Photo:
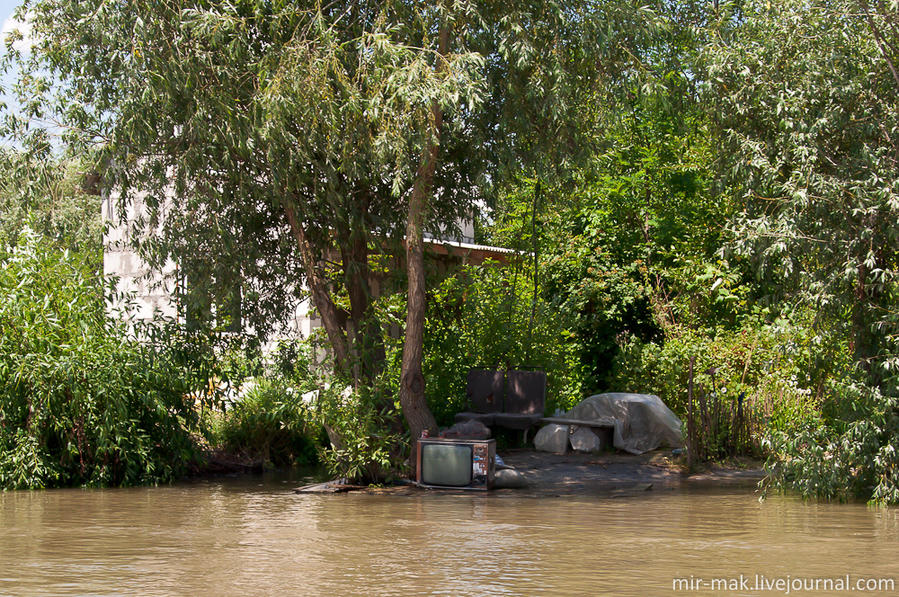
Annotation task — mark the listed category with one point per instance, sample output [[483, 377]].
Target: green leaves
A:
[[363, 99], [365, 445], [269, 423], [485, 318], [81, 402], [849, 456], [805, 101]]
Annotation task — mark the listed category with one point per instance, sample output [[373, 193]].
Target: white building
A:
[[154, 291]]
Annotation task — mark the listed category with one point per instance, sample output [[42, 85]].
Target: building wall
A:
[[152, 291]]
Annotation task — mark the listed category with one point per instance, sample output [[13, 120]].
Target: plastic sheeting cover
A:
[[642, 421]]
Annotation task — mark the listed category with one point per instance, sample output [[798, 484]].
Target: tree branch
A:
[[321, 298]]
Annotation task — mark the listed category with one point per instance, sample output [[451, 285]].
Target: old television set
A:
[[456, 463]]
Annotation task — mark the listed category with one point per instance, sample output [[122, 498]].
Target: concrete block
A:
[[552, 438], [583, 439]]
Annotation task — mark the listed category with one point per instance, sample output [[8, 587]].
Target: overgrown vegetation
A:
[[486, 317], [268, 424], [742, 214], [81, 401], [360, 436], [57, 199], [713, 182], [366, 443]]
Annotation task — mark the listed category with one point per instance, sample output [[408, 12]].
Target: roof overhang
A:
[[468, 252]]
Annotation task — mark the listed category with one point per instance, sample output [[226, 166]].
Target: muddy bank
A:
[[603, 474], [613, 472]]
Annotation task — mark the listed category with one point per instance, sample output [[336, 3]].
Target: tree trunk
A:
[[320, 296], [412, 381], [864, 341], [366, 345]]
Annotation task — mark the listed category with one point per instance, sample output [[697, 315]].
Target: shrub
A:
[[851, 451], [770, 363], [270, 424], [760, 369], [365, 439], [368, 439], [81, 401]]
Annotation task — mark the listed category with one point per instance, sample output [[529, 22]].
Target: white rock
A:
[[552, 438], [509, 479], [584, 440]]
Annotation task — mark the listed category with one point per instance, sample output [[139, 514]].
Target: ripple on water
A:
[[236, 537]]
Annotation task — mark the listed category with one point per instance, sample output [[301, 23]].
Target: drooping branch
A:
[[878, 39]]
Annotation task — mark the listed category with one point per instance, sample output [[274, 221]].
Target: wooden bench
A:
[[515, 400]]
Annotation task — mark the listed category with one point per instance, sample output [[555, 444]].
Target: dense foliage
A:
[[81, 402], [366, 444], [805, 99], [692, 181], [484, 318], [54, 198], [743, 213], [850, 453], [268, 424], [274, 145], [357, 431]]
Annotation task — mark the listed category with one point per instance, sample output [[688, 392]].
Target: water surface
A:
[[253, 536]]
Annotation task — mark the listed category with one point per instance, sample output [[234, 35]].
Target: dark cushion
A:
[[525, 393], [485, 390], [485, 418], [513, 421]]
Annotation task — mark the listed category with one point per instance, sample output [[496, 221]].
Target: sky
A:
[[6, 9]]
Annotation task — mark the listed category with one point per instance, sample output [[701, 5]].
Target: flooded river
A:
[[253, 536]]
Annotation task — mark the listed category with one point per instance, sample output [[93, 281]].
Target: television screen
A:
[[446, 464]]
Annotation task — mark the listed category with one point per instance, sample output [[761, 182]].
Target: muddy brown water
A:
[[254, 536]]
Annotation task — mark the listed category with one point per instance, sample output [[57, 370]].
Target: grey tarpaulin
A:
[[642, 421]]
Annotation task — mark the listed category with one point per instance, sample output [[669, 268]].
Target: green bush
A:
[[268, 423], [768, 371], [81, 401], [368, 439], [769, 363], [850, 452], [484, 317], [360, 433]]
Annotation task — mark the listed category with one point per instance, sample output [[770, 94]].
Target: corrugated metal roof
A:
[[469, 246]]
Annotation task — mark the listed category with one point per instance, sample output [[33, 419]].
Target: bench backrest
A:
[[525, 392], [485, 390]]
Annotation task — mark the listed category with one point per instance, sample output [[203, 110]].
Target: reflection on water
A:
[[249, 536]]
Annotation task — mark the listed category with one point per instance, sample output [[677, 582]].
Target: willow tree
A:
[[805, 94], [275, 143]]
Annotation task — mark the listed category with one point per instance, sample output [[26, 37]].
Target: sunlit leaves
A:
[[806, 102], [81, 402], [212, 116]]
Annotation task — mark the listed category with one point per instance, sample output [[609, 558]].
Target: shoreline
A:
[[605, 474]]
